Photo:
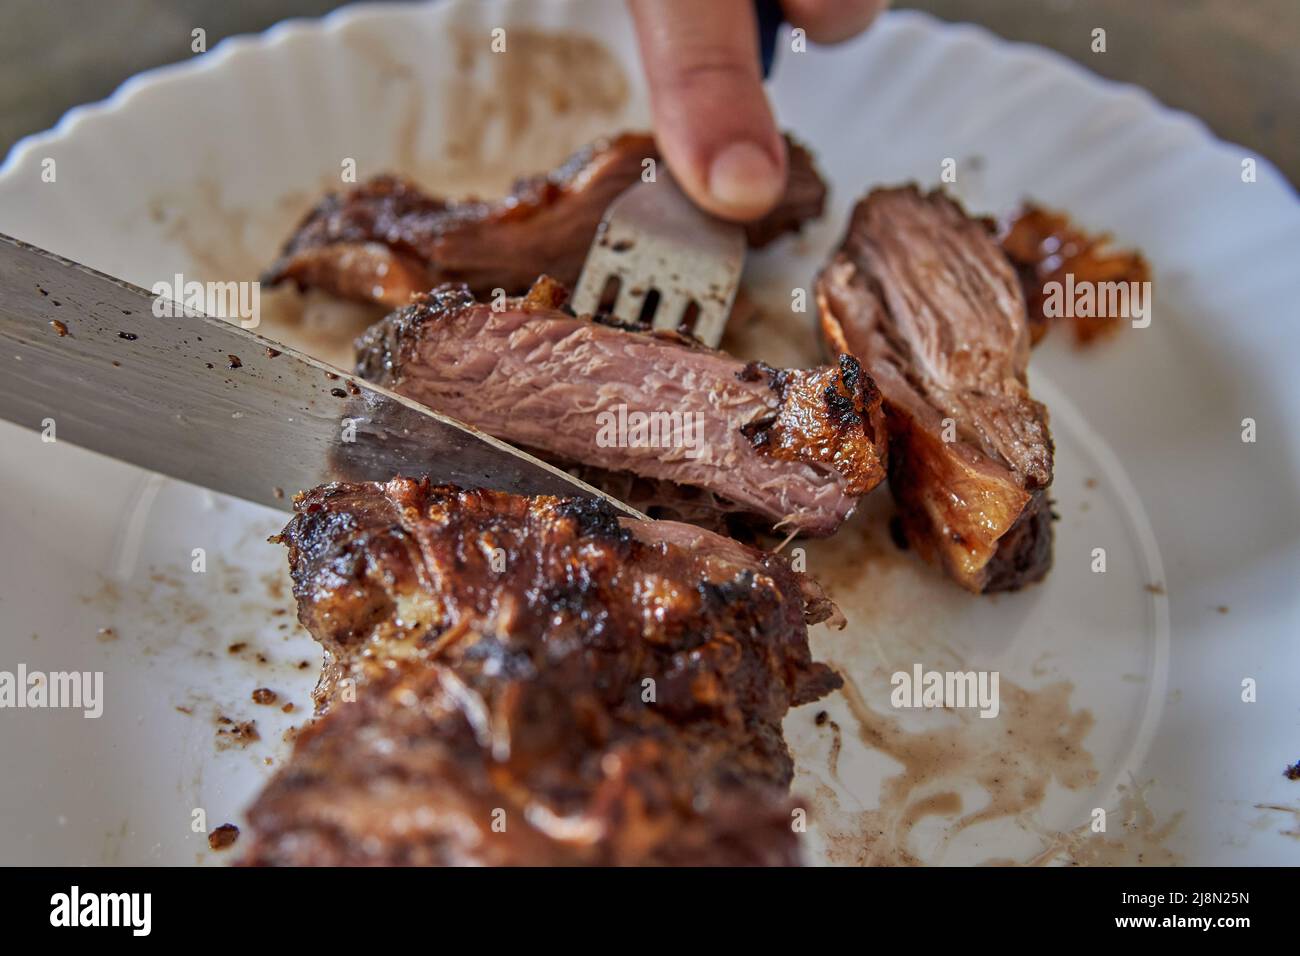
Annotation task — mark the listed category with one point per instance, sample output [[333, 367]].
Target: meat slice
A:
[[516, 680], [1046, 247], [794, 447], [923, 296], [386, 239]]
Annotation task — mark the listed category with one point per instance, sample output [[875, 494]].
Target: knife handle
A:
[[770, 17]]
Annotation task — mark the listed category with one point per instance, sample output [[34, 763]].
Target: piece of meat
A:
[[923, 296], [794, 447], [516, 680], [386, 239], [659, 498], [1045, 247]]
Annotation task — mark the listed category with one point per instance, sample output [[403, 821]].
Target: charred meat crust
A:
[[794, 447], [922, 295], [500, 648], [356, 549], [386, 239], [384, 350], [1024, 554], [823, 417]]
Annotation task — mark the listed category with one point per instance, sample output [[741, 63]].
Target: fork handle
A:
[[770, 17]]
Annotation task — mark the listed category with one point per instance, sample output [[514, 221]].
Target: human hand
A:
[[711, 117]]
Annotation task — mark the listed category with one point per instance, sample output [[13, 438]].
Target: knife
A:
[[88, 359]]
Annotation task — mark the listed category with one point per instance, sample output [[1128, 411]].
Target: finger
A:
[[832, 21], [712, 119]]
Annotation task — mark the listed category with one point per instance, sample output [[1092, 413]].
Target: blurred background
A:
[[1233, 63]]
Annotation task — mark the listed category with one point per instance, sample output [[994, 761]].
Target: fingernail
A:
[[743, 176]]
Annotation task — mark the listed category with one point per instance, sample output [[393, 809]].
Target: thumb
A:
[[711, 116]]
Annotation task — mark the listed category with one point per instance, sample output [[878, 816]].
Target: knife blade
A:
[[87, 359]]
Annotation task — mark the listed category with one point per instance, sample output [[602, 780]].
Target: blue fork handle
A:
[[769, 16]]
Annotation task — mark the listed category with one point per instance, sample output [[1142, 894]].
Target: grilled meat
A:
[[923, 296], [387, 239], [516, 680], [663, 499], [1045, 247], [794, 447]]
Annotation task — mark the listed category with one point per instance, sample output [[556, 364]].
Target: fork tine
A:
[[711, 323], [672, 306], [596, 274]]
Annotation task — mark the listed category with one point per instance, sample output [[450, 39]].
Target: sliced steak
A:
[[923, 296], [516, 680], [386, 239], [794, 447]]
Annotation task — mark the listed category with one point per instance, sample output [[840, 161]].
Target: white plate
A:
[[1120, 691]]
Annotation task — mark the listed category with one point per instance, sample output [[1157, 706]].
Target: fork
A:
[[658, 260]]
